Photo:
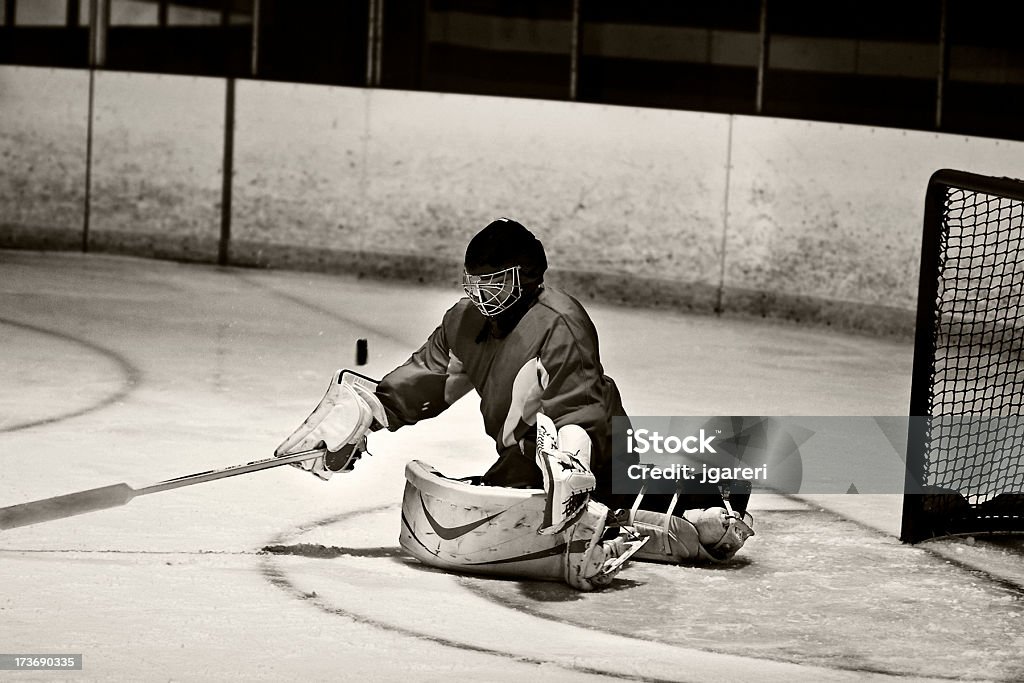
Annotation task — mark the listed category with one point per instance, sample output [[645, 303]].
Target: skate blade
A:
[[615, 565], [742, 527]]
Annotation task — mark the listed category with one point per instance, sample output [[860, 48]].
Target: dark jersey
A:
[[548, 362]]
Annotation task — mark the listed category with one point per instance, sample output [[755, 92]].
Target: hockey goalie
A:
[[545, 507]]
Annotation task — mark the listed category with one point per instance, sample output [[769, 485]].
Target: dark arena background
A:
[[209, 206]]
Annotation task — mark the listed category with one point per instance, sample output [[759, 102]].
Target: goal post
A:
[[965, 452]]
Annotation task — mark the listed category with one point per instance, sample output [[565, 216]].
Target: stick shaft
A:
[[232, 471], [105, 497]]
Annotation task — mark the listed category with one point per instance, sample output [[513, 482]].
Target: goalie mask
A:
[[504, 264], [493, 293]]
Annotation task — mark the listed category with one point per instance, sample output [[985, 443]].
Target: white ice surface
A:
[[117, 369]]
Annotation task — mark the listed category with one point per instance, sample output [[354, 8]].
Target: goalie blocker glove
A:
[[338, 425]]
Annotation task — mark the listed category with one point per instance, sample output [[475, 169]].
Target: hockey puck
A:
[[361, 352]]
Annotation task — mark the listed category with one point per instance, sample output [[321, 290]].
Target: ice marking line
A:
[[283, 537], [324, 552], [277, 578], [482, 592], [1003, 582], [474, 586], [131, 377], [324, 311], [109, 551]]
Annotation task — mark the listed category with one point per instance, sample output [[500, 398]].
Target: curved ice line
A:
[[277, 578], [131, 377]]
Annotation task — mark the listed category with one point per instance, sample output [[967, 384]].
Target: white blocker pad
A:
[[568, 481]]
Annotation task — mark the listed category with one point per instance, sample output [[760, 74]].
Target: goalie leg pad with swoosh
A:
[[457, 526]]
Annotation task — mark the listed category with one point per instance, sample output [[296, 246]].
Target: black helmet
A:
[[503, 244], [503, 261]]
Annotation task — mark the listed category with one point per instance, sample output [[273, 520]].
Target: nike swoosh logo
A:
[[451, 533], [574, 547]]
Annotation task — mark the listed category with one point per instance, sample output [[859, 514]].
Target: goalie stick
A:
[[115, 495]]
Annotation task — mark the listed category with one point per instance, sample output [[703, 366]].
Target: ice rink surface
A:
[[125, 370]]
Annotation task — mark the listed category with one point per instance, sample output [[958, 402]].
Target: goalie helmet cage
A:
[[965, 453]]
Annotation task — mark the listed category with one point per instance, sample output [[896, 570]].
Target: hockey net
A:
[[965, 457]]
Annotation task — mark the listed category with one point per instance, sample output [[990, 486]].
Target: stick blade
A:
[[68, 505]]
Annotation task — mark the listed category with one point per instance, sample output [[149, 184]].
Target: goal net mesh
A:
[[971, 457]]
